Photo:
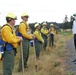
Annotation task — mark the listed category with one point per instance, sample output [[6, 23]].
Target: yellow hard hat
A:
[[24, 14], [44, 23], [36, 25], [11, 15], [51, 24]]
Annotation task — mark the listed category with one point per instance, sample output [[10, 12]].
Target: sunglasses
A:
[[26, 16]]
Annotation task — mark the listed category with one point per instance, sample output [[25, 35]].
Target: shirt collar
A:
[[10, 25]]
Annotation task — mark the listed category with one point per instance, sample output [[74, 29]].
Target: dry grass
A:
[[51, 62]]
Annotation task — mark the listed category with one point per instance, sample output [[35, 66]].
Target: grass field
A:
[[51, 62]]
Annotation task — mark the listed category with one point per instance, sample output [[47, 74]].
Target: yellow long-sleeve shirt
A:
[[8, 35], [44, 31], [37, 34], [52, 31], [23, 29]]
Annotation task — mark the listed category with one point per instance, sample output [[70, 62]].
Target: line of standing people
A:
[[12, 39]]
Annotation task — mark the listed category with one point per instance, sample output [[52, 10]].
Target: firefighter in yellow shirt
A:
[[38, 40], [52, 32], [24, 32], [9, 36], [44, 32]]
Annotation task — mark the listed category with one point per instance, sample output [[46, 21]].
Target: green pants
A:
[[38, 47], [45, 42], [51, 40], [8, 62], [25, 45]]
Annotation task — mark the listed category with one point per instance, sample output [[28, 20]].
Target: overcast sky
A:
[[38, 10]]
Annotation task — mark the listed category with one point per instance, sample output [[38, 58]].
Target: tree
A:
[[71, 21], [65, 23]]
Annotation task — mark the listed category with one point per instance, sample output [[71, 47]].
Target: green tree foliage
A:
[[71, 21], [65, 23]]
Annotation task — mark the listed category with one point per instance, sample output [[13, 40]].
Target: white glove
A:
[[42, 41], [20, 38], [29, 32], [48, 35], [52, 32]]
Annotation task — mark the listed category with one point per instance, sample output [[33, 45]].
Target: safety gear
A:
[[23, 28], [44, 23], [12, 35], [24, 15], [42, 41], [44, 31], [11, 16], [38, 35], [52, 31], [36, 25], [51, 24]]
